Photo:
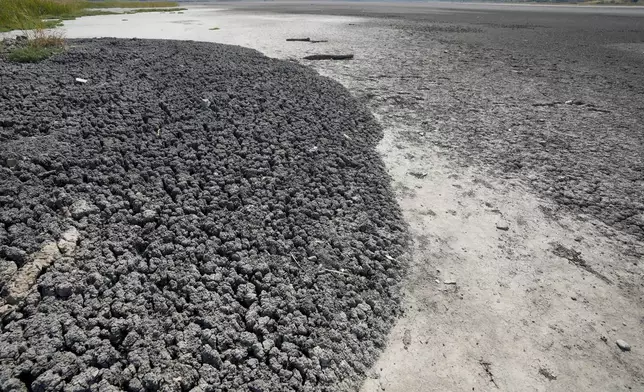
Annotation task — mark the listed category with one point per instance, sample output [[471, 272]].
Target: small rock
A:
[[547, 373], [569, 102], [81, 80], [70, 235], [81, 208], [323, 356], [68, 240], [268, 344], [418, 174], [211, 357], [64, 289], [257, 350], [66, 247], [148, 215], [450, 282], [11, 162], [623, 345], [502, 225], [206, 102]]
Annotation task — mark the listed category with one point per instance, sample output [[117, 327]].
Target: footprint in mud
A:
[[469, 193], [406, 339], [427, 212], [403, 190]]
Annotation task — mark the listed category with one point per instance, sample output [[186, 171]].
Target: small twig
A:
[[295, 260], [592, 109], [487, 366], [547, 103], [329, 57], [47, 173], [335, 271]]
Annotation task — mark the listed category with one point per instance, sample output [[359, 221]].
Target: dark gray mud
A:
[[236, 227]]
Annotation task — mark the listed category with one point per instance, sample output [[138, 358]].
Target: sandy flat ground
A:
[[510, 288]]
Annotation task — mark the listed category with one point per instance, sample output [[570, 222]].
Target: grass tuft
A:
[[46, 39], [31, 54], [34, 14], [40, 45]]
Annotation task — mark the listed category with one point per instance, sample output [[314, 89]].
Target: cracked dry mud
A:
[[566, 121], [236, 228]]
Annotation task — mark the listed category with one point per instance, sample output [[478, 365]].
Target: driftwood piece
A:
[[329, 57]]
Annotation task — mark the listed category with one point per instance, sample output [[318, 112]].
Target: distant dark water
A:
[[382, 1], [342, 1]]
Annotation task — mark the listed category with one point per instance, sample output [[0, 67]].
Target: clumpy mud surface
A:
[[234, 226]]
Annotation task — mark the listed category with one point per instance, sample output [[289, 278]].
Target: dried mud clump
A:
[[235, 226]]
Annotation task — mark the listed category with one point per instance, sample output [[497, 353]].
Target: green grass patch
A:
[[31, 54], [39, 45], [34, 14], [29, 14]]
